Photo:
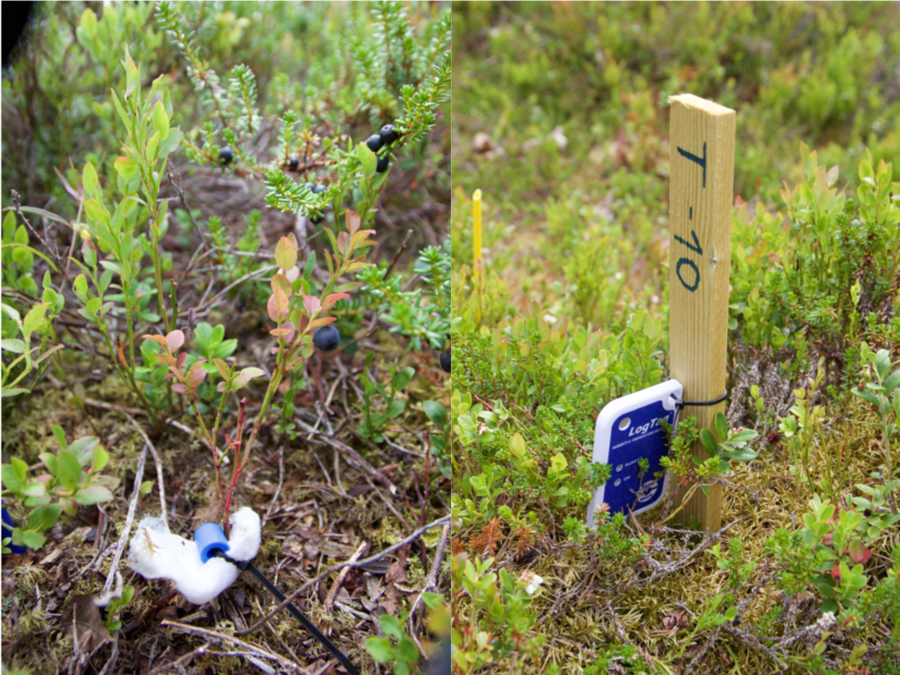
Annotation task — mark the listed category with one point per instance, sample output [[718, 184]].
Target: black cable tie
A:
[[292, 610], [684, 404]]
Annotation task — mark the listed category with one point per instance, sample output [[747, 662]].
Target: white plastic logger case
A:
[[629, 429]]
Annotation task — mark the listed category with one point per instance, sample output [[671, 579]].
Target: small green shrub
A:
[[73, 478]]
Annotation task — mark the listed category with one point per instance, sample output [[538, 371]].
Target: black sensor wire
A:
[[292, 610]]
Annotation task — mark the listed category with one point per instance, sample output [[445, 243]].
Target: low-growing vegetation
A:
[[226, 283], [561, 122]]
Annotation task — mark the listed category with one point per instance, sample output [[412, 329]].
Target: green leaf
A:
[[89, 23], [368, 159], [401, 378], [84, 449], [883, 363], [396, 408], [30, 538], [160, 119], [721, 426], [391, 626], [93, 494], [90, 181], [21, 468], [433, 600], [709, 442], [285, 254], [436, 413], [744, 436], [407, 651], [10, 478], [49, 460], [43, 517], [170, 143], [380, 648], [14, 346], [34, 318], [153, 147], [310, 266], [100, 459], [11, 312], [69, 469], [891, 382], [60, 436], [131, 73], [739, 455]]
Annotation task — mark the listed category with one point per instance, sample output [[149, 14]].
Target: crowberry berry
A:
[[374, 142], [445, 361], [226, 154], [383, 163], [389, 134]]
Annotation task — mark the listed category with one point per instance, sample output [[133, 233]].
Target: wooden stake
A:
[[701, 193], [476, 238]]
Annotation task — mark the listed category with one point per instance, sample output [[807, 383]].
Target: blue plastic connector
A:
[[7, 532], [210, 537]]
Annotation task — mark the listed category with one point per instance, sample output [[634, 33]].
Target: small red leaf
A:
[[312, 304], [179, 388], [156, 338], [334, 298], [175, 339]]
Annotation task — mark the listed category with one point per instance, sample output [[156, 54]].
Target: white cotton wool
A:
[[155, 553]]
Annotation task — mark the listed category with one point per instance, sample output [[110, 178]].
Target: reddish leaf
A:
[[836, 573], [156, 338], [312, 304], [280, 332], [179, 361], [223, 368], [352, 221], [281, 300], [175, 339], [179, 388], [165, 358], [197, 376], [344, 243], [333, 299], [324, 321], [121, 349], [858, 551]]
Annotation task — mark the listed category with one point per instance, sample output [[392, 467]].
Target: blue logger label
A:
[[637, 435], [630, 429]]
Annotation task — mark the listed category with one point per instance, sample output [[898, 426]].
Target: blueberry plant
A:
[[299, 316]]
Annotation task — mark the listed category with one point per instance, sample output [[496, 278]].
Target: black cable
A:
[[296, 613], [683, 404]]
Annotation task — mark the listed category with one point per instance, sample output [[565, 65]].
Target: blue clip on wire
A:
[[211, 543]]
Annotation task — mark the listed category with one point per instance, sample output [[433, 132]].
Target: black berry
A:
[[319, 189], [327, 338], [389, 134], [375, 142], [226, 155], [294, 162], [383, 164], [445, 361], [316, 220], [310, 186]]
